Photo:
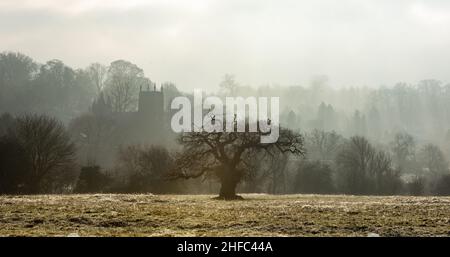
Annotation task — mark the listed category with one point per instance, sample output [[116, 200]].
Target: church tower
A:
[[151, 114], [151, 103]]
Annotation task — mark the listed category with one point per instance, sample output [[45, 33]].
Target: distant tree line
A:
[[58, 90], [58, 135], [355, 166], [38, 155]]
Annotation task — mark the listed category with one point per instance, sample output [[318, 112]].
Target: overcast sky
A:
[[194, 43]]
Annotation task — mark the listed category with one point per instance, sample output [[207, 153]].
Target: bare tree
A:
[[353, 163], [313, 177], [225, 154], [266, 172], [122, 85], [433, 159], [275, 169], [47, 146], [323, 145], [146, 167], [363, 169], [97, 73], [403, 149]]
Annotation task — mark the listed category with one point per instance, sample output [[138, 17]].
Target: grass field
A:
[[199, 215]]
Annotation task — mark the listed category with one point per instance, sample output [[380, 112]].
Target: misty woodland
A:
[[106, 128]]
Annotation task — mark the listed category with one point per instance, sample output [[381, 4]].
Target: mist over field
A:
[[87, 116]]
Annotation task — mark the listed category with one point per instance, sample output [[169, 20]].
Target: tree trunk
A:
[[227, 189], [229, 180]]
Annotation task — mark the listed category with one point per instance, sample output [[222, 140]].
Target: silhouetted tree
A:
[[92, 180], [323, 145], [314, 177], [224, 154], [146, 168], [364, 170], [416, 186], [403, 149], [432, 159], [46, 144], [266, 172], [122, 85], [14, 166]]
